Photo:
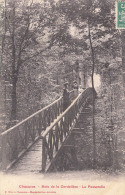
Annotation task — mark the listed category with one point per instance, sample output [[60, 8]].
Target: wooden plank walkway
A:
[[30, 162]]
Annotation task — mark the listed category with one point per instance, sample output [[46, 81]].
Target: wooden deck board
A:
[[31, 161]]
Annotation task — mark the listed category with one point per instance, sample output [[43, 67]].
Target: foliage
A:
[[43, 42]]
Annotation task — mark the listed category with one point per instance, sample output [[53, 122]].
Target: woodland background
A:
[[44, 44]]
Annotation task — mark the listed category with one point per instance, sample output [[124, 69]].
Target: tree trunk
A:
[[92, 55], [13, 115], [93, 96], [14, 74]]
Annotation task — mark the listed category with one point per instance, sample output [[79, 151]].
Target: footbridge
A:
[[41, 136]]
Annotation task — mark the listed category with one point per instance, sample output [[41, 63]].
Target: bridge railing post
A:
[[43, 154], [55, 135], [15, 141]]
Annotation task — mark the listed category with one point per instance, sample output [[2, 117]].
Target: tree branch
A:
[[23, 38], [9, 27], [92, 53], [36, 54]]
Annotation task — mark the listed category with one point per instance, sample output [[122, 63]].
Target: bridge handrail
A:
[[31, 116], [57, 132], [16, 140], [58, 119], [39, 111]]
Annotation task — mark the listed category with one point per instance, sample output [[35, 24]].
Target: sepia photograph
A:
[[62, 97]]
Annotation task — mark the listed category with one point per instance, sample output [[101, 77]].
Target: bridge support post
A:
[[43, 155]]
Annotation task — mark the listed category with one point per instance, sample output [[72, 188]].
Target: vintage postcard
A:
[[62, 97]]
